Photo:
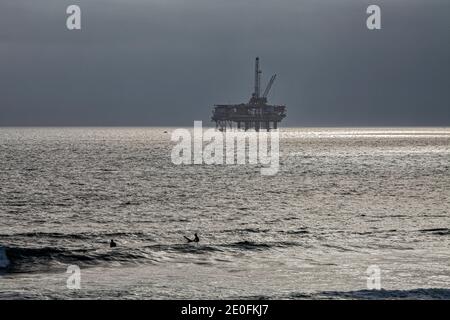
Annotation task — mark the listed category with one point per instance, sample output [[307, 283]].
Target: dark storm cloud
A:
[[165, 62]]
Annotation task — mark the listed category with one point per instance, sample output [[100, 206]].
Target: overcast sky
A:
[[166, 62]]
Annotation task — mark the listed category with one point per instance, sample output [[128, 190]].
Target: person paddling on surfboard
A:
[[196, 239]]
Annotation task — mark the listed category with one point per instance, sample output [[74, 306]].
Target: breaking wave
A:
[[23, 259], [419, 293], [4, 261], [42, 259]]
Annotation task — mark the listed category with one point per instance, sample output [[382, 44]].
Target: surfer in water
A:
[[196, 239], [112, 244]]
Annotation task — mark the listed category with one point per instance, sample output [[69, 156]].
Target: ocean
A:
[[345, 202]]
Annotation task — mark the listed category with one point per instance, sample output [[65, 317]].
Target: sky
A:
[[167, 62]]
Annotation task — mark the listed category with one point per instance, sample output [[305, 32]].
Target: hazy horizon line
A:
[[213, 126]]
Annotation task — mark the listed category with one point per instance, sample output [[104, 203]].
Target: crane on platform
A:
[[258, 72], [257, 98], [269, 86]]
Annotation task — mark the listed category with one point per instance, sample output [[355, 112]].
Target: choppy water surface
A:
[[344, 199]]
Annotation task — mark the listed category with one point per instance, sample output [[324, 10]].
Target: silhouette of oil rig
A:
[[256, 114]]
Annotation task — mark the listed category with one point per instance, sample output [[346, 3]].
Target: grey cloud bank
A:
[[166, 62]]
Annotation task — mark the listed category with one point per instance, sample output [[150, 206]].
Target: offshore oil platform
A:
[[256, 114]]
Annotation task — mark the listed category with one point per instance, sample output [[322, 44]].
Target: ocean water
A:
[[343, 200]]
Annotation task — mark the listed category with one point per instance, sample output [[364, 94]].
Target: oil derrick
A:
[[256, 114]]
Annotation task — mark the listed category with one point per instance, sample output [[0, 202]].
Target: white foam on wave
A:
[[4, 261]]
